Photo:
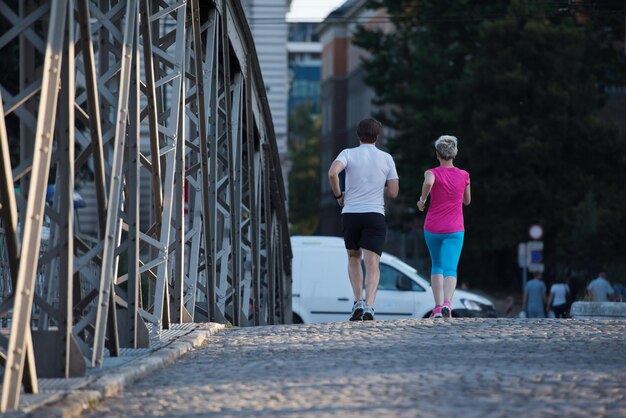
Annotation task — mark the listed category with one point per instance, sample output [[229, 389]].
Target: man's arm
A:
[[611, 293], [333, 178], [392, 188]]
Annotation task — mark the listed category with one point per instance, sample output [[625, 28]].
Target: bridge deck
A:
[[461, 367]]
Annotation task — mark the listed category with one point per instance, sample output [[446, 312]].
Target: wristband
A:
[[338, 197]]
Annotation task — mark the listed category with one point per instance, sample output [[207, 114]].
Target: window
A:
[[389, 277]]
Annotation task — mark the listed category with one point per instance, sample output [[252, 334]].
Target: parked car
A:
[[321, 290]]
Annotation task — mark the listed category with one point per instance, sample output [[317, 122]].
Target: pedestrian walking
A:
[[444, 229], [370, 176], [559, 295], [600, 289], [535, 301]]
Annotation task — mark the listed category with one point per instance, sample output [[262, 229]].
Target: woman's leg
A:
[[436, 281], [450, 254], [449, 286], [433, 242]]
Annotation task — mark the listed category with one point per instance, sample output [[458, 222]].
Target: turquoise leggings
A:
[[445, 251]]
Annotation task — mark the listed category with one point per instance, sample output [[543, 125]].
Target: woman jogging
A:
[[444, 230]]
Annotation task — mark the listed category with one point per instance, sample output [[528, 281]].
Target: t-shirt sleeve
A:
[[343, 157], [467, 180], [609, 289], [392, 174]]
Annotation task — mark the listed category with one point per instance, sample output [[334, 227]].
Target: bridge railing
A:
[[125, 96]]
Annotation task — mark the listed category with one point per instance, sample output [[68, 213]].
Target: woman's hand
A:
[[420, 205]]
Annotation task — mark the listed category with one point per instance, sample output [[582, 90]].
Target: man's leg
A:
[[355, 272], [372, 275]]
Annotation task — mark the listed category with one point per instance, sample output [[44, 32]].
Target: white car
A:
[[321, 290]]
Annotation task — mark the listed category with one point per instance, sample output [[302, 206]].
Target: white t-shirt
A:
[[560, 291], [600, 288], [367, 171]]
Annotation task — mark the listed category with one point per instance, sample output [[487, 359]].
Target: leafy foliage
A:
[[304, 176], [520, 84]]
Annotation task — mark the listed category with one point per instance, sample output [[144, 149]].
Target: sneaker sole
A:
[[357, 315], [368, 317], [445, 312], [435, 316]]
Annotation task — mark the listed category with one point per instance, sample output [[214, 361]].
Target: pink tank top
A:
[[445, 213]]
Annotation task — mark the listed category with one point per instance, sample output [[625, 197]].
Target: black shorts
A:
[[364, 230]]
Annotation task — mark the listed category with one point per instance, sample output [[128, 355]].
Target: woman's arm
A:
[[429, 180], [467, 196]]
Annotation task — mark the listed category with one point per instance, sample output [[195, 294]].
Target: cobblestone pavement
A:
[[442, 368]]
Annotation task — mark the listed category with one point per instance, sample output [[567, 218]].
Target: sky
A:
[[312, 10]]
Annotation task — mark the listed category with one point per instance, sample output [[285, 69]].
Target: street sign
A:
[[522, 258], [535, 231], [534, 256]]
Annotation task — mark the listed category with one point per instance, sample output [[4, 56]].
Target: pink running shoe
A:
[[436, 313], [446, 310]]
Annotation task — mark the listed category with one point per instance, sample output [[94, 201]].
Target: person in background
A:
[[574, 289], [535, 302], [559, 295], [600, 290], [620, 292], [444, 229]]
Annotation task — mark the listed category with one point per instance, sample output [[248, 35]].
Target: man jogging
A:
[[370, 176]]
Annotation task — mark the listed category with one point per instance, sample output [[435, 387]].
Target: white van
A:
[[321, 290]]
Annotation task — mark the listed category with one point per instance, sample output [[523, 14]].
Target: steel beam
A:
[[33, 219], [173, 100], [111, 238]]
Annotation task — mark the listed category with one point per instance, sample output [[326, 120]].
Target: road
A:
[[427, 368]]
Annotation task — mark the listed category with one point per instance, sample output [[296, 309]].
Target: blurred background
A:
[[534, 90]]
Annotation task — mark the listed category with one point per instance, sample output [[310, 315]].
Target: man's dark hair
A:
[[368, 130]]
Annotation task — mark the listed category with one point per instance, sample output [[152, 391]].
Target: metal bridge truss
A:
[[125, 90]]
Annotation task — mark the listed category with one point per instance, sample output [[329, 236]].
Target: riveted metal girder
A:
[[155, 112]]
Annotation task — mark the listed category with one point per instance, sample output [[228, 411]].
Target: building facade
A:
[[267, 20], [305, 62], [346, 99]]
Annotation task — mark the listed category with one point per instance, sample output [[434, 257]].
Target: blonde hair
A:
[[446, 147]]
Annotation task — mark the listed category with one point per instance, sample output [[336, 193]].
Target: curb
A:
[[74, 403]]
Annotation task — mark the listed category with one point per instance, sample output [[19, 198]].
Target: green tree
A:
[[520, 83], [304, 176], [416, 72]]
